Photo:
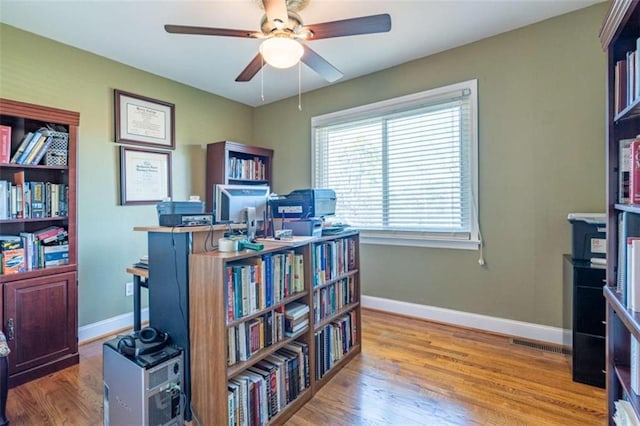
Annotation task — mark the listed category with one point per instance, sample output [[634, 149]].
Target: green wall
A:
[[541, 91], [37, 70], [541, 156]]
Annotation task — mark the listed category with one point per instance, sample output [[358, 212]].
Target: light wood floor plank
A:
[[410, 372]]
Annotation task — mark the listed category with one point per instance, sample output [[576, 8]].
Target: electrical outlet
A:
[[128, 289]]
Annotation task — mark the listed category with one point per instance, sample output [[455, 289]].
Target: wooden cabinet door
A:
[[40, 320]]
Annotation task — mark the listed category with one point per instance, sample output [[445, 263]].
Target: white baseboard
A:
[[507, 327], [109, 326]]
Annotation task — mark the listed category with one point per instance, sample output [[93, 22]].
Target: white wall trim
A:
[[109, 326], [504, 326]]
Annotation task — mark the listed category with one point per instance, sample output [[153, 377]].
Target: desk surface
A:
[[185, 229], [141, 272]]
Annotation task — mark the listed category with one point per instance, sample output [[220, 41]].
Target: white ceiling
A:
[[131, 32]]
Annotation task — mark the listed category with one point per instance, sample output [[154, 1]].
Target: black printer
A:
[[304, 204]]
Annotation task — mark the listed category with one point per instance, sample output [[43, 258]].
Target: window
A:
[[404, 170]]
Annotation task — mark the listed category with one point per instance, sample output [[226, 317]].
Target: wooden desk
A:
[[140, 279]]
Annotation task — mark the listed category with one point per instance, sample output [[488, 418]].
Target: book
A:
[[31, 156], [635, 365], [634, 173], [43, 150], [5, 144], [23, 194], [633, 268], [23, 144], [37, 199], [13, 261], [624, 165], [56, 255], [5, 205]]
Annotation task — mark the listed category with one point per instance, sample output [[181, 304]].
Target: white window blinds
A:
[[404, 168]]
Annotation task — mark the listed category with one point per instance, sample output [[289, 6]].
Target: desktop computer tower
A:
[[142, 389]]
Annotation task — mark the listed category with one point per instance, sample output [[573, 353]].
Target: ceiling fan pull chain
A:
[[299, 86], [262, 79]]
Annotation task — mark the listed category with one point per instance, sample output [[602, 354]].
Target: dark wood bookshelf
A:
[[218, 171], [619, 35], [41, 304]]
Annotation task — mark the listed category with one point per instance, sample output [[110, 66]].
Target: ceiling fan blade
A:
[[185, 29], [276, 11], [354, 26], [252, 69], [320, 65]]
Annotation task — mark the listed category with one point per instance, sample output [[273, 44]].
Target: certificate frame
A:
[[140, 120], [145, 176]]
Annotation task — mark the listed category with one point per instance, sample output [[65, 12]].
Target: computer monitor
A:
[[231, 202]]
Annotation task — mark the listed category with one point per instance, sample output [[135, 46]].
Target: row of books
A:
[[33, 250], [624, 414], [627, 79], [31, 149], [259, 393], [27, 200], [334, 341], [333, 259], [247, 169], [249, 337], [258, 283], [329, 300], [628, 273]]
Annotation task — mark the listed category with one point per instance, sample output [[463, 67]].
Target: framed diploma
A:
[[145, 176], [144, 121]]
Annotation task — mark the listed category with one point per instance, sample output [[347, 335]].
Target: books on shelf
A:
[[635, 365], [627, 79], [624, 166], [631, 294], [634, 173], [20, 199], [260, 392], [261, 282]]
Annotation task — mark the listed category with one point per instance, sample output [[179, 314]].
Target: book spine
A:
[[5, 144], [634, 173], [23, 144]]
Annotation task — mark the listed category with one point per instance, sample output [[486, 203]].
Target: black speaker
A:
[[151, 340]]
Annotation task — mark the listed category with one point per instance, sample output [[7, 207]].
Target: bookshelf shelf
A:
[[334, 280], [26, 293], [630, 319], [210, 330], [631, 208], [623, 373]]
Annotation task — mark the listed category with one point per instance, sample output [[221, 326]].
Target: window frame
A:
[[466, 241]]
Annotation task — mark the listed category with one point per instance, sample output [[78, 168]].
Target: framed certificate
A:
[[144, 121], [145, 176]]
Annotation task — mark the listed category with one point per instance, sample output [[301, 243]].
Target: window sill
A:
[[459, 244]]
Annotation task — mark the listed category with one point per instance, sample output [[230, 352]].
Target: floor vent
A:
[[540, 346]]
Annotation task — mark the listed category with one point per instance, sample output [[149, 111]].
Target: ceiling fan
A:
[[282, 30]]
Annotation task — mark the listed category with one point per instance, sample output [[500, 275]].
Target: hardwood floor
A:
[[410, 372]]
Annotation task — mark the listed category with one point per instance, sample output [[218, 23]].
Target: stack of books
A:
[[296, 318]]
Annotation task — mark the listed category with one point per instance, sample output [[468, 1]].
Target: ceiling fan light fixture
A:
[[281, 52]]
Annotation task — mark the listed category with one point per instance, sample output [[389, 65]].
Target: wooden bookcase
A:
[[221, 156], [211, 320], [39, 306], [619, 36]]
